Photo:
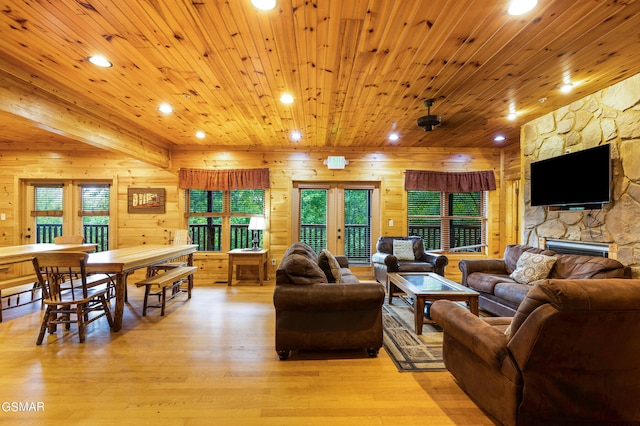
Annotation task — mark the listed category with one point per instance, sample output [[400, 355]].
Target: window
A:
[[47, 212], [219, 220], [70, 208], [448, 221], [94, 212]]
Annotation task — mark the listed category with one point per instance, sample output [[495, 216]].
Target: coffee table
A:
[[429, 286]]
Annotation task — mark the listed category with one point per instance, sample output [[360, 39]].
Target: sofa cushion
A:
[[347, 277], [403, 250], [407, 266], [330, 266], [573, 266], [513, 252], [532, 267], [299, 269], [485, 283], [303, 249], [511, 292]]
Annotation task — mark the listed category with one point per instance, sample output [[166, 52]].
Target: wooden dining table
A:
[[25, 252], [121, 262]]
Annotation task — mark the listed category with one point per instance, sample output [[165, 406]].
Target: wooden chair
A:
[[69, 239], [64, 276]]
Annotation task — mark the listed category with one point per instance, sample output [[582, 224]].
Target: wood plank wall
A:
[[385, 167]]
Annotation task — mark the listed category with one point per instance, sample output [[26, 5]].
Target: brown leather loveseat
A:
[[570, 355], [501, 294], [321, 305], [386, 259]]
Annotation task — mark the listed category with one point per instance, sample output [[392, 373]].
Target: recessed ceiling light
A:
[[566, 88], [286, 98], [295, 136], [100, 61], [520, 7], [264, 4], [512, 116], [393, 136], [200, 134], [165, 108], [499, 138]]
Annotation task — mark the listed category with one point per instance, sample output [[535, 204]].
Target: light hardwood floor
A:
[[210, 360]]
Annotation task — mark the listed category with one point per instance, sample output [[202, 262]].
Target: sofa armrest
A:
[[487, 342], [328, 297], [387, 259], [343, 261], [489, 266], [439, 261]]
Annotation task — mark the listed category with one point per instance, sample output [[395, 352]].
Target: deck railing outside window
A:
[[93, 234], [462, 235], [209, 237]]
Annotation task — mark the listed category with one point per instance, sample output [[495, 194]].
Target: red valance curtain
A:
[[223, 180], [424, 180]]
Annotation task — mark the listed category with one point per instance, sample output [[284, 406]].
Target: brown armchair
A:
[[385, 261], [570, 355]]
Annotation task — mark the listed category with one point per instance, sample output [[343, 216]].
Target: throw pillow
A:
[[329, 264], [403, 250], [532, 267]]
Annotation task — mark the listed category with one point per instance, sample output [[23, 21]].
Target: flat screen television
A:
[[579, 180]]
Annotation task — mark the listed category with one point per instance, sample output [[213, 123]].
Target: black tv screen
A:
[[581, 179]]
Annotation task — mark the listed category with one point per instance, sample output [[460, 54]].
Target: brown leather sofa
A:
[[571, 356], [384, 261], [501, 295], [315, 314]]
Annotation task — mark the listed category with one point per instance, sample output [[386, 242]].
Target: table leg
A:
[[473, 306], [230, 277], [418, 313], [261, 270], [121, 292]]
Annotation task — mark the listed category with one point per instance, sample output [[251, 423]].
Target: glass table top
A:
[[428, 283]]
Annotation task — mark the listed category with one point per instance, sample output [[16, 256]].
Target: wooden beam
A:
[[52, 112]]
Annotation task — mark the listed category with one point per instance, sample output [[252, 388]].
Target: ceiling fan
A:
[[429, 122]]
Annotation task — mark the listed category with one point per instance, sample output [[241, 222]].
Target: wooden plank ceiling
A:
[[358, 70]]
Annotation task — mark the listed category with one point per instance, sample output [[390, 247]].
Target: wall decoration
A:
[[145, 200]]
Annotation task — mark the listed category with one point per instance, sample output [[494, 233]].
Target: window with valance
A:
[[220, 204], [449, 209]]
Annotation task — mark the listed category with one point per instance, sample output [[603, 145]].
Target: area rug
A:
[[409, 351]]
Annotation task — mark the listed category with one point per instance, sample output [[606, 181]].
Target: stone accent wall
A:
[[611, 116]]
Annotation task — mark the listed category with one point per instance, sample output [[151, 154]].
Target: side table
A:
[[257, 258]]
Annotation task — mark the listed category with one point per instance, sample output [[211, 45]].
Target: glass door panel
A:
[[336, 216], [313, 218]]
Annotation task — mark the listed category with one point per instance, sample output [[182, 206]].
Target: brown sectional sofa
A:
[[501, 295], [314, 314], [570, 358]]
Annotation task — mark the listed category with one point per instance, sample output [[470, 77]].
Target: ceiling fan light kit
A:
[[429, 122]]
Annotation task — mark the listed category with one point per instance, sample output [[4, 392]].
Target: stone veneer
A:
[[610, 116]]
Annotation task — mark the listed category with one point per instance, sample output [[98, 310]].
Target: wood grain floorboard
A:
[[209, 360]]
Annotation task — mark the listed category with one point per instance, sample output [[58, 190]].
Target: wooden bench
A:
[[15, 282], [169, 279]]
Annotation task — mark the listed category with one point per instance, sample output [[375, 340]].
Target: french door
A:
[[341, 217], [66, 207]]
